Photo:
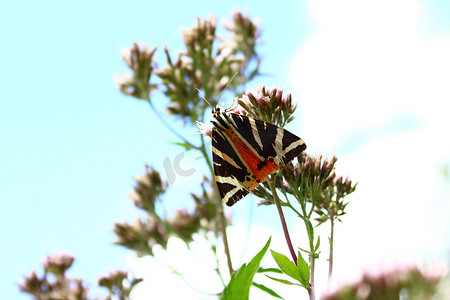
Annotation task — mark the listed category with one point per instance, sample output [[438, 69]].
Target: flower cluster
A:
[[208, 63], [245, 34], [397, 283], [118, 284], [312, 180], [142, 235], [148, 190], [330, 204], [140, 60], [267, 104], [310, 177], [57, 285]]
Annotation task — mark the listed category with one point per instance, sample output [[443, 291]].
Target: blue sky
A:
[[71, 143]]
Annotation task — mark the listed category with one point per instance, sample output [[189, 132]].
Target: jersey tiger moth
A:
[[246, 151]]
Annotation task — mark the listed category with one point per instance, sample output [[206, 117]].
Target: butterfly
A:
[[246, 151]]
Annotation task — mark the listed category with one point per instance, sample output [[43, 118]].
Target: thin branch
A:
[[330, 259], [283, 221], [158, 115], [223, 229]]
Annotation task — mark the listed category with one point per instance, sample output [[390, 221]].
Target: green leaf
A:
[[267, 290], [318, 244], [241, 280], [274, 270], [287, 282], [287, 266], [186, 146], [306, 251], [303, 271], [310, 230]]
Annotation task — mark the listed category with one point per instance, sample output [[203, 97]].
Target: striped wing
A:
[[246, 151], [229, 170]]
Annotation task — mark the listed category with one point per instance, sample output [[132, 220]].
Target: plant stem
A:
[[330, 259], [311, 291], [223, 229], [283, 221]]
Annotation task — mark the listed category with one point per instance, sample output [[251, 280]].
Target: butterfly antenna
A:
[[204, 98], [226, 87]]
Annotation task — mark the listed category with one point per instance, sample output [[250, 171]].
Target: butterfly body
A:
[[246, 151]]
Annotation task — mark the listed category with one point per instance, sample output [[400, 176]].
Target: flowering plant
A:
[[307, 187]]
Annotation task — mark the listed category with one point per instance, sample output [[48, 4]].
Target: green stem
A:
[[296, 211], [283, 221], [311, 291], [330, 259], [223, 229], [312, 253]]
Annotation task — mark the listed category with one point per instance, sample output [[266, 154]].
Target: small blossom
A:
[[245, 34], [200, 36], [267, 104], [140, 60], [148, 189], [58, 263], [263, 202], [330, 204], [58, 285], [142, 236], [33, 284], [311, 171], [204, 129], [115, 277], [118, 284]]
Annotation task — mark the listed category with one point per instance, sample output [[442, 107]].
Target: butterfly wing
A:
[[268, 140], [229, 171], [246, 151]]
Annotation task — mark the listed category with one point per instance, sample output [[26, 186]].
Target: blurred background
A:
[[371, 79]]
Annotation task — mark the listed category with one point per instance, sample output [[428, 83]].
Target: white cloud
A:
[[375, 92], [366, 64]]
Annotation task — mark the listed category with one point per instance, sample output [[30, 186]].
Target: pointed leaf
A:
[[241, 280], [267, 290], [318, 244], [186, 146], [286, 265], [306, 251], [287, 282], [303, 270], [310, 230], [274, 270]]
